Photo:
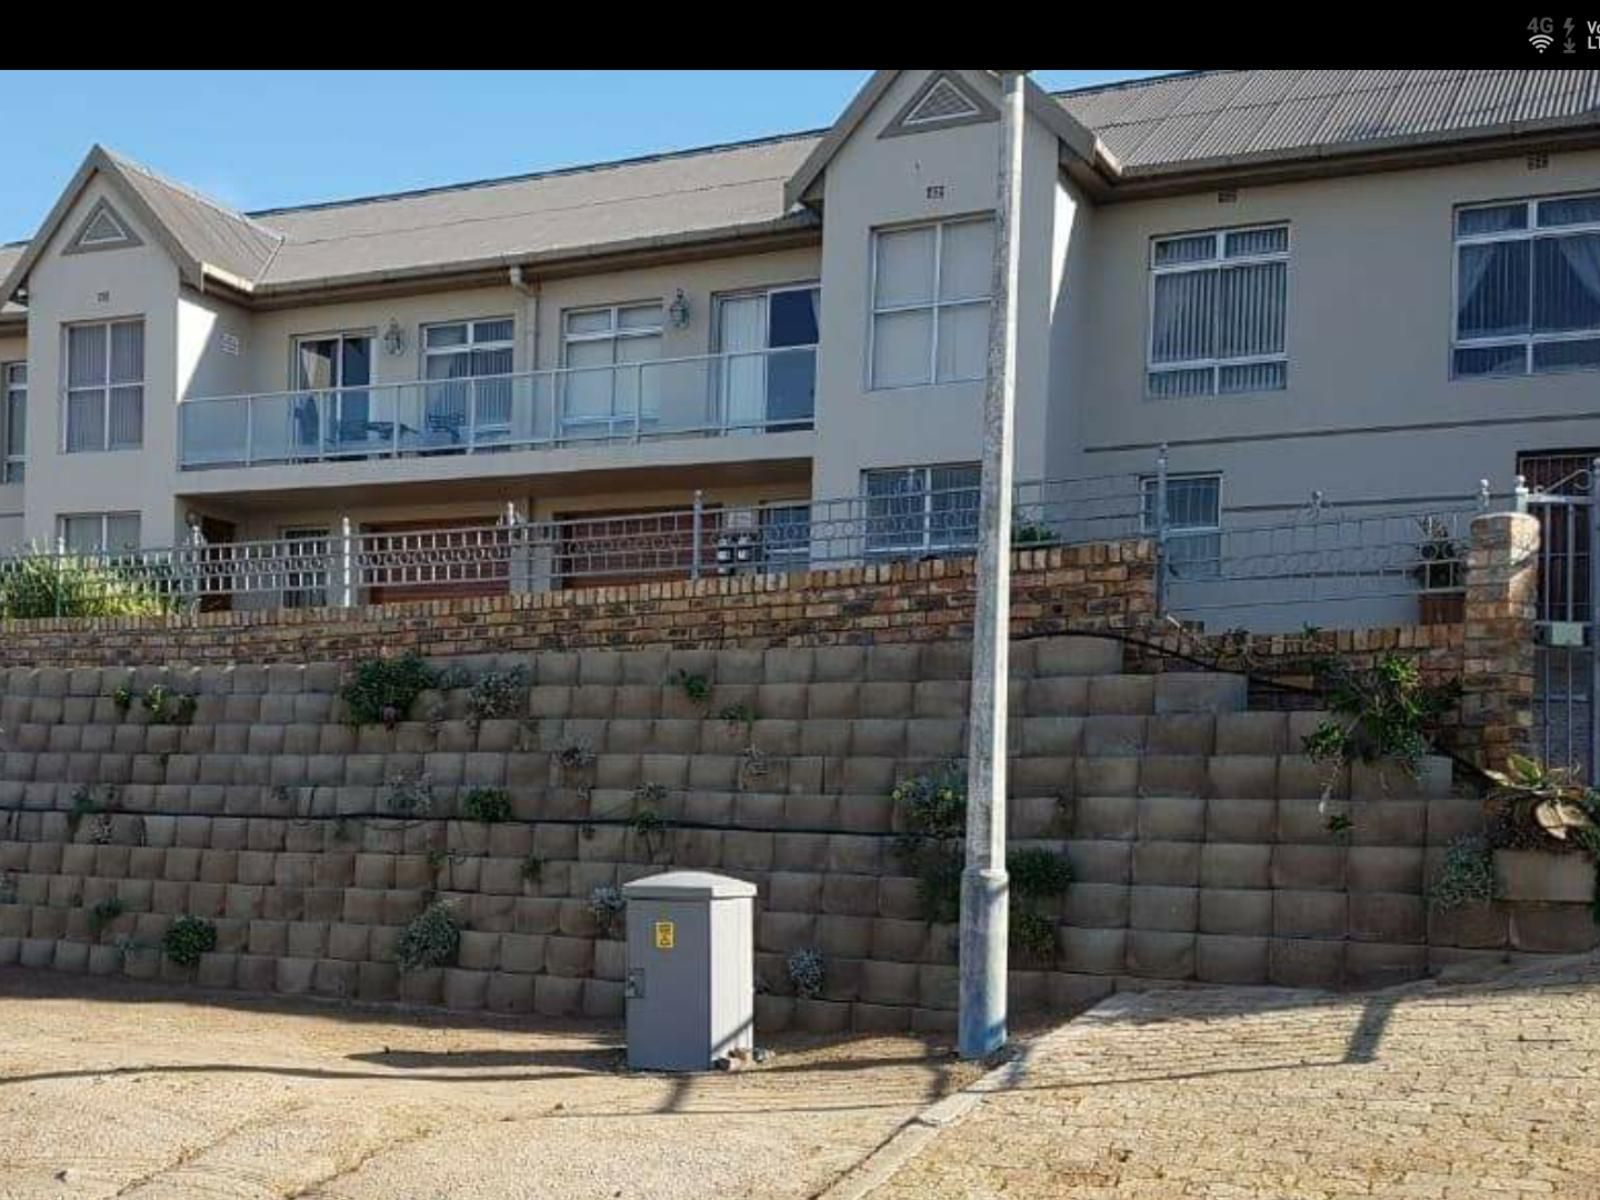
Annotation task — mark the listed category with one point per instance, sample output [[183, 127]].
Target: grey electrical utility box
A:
[[691, 970]]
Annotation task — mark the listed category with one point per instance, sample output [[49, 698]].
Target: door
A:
[[767, 342], [1566, 721], [216, 591], [334, 371]]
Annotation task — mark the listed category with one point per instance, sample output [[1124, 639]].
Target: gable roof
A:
[[693, 196], [1039, 104], [1174, 130], [1174, 124]]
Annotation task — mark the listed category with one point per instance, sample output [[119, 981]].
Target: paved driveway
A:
[[1459, 1092], [118, 1089]]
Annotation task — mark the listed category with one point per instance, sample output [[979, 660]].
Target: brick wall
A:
[[1103, 586]]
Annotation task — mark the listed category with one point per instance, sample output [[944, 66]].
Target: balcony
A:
[[715, 395]]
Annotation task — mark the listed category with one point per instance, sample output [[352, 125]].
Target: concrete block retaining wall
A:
[[1193, 826]]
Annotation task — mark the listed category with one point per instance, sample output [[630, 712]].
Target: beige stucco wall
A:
[[140, 281], [872, 182], [1370, 409]]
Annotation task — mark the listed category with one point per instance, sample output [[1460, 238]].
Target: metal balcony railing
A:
[[760, 391]]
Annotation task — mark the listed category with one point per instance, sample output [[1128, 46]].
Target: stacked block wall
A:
[[1193, 826]]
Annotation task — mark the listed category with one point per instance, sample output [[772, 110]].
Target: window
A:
[[921, 510], [1528, 287], [468, 366], [1217, 304], [786, 537], [1194, 523], [930, 303], [607, 386], [98, 533], [105, 386], [336, 372], [14, 383], [768, 370]]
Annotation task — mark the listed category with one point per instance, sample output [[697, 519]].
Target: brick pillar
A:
[[1497, 674]]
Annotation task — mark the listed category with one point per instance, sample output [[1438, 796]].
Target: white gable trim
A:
[[940, 88], [103, 229]]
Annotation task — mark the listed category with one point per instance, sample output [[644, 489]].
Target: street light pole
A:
[[984, 924]]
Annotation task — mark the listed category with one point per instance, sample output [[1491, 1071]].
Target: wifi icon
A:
[[1541, 42]]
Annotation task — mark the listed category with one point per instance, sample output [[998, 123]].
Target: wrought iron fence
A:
[[1325, 564]]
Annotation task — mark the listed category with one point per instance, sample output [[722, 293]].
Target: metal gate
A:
[[1566, 664]]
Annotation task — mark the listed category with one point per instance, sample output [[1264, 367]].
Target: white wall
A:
[[875, 181], [1370, 409], [140, 281]]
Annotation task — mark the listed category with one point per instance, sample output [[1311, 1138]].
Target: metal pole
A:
[[347, 596], [1161, 532], [984, 917], [699, 519]]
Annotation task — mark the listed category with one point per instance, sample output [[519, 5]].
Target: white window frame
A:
[[13, 468], [927, 545], [1217, 262], [467, 347], [105, 389], [616, 333], [1149, 485], [1530, 232], [934, 305], [105, 519]]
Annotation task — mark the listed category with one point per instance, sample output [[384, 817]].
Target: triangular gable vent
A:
[[941, 100], [102, 229]]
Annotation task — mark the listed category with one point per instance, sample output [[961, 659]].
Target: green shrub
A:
[[384, 689], [187, 939], [934, 805], [410, 793], [41, 584], [167, 707], [1033, 934], [104, 912], [487, 804], [1382, 713], [696, 687], [431, 939], [1038, 874]]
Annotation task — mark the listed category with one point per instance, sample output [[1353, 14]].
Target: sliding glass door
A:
[[768, 346]]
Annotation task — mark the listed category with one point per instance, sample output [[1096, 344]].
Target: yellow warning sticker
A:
[[666, 935]]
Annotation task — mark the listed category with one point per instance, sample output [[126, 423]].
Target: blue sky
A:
[[259, 139]]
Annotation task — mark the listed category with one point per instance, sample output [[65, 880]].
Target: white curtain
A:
[[742, 336]]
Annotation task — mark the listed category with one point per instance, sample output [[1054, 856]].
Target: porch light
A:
[[678, 310], [394, 338]]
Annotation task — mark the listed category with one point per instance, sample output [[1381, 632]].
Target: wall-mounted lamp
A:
[[678, 310], [394, 338]]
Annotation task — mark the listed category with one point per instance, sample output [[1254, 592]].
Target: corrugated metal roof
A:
[[1157, 125], [668, 197], [210, 232]]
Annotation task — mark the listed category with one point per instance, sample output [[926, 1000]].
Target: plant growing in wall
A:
[[606, 906], [808, 973], [1466, 876], [383, 690], [1384, 713], [187, 939], [410, 793], [122, 699], [87, 803], [487, 804], [576, 756], [1037, 876], [431, 939], [933, 814], [104, 912], [696, 687], [648, 823], [498, 696], [532, 869], [167, 707]]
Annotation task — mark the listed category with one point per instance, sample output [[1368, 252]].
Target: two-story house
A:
[[1384, 285]]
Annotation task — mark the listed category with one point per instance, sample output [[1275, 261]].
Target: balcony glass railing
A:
[[761, 391]]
